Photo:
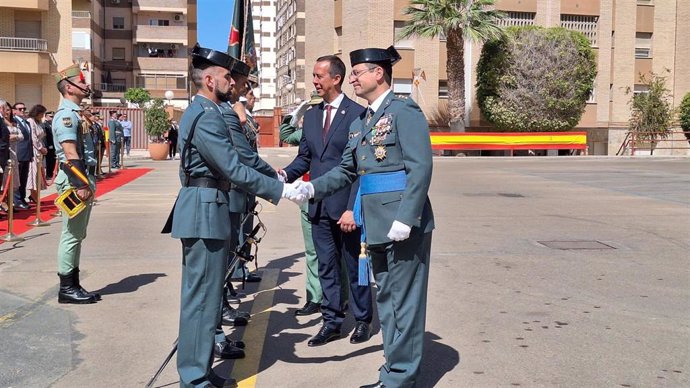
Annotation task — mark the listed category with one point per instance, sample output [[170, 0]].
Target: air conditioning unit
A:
[[179, 17]]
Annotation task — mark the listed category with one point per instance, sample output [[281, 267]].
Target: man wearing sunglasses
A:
[[25, 153]]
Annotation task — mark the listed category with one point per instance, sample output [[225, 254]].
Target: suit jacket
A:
[[317, 158], [247, 155], [406, 146], [4, 143], [204, 212], [25, 148]]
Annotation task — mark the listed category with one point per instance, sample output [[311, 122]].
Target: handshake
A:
[[298, 192]]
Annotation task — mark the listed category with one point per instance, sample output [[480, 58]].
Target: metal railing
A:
[[633, 142], [115, 88], [81, 14], [23, 44]]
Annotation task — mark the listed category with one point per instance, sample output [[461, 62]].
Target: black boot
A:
[[70, 293], [96, 295]]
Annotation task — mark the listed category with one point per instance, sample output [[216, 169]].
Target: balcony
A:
[[156, 83], [24, 55], [179, 6], [23, 44], [168, 64], [110, 88], [33, 5], [160, 34]]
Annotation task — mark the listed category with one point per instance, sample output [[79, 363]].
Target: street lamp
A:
[[169, 95]]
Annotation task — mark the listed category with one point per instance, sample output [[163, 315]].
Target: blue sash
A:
[[382, 182]]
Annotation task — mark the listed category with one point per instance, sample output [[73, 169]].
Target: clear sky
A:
[[213, 23]]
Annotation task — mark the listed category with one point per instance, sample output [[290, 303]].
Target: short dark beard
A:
[[223, 97]]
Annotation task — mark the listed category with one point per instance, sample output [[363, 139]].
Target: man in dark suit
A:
[[25, 153], [336, 238]]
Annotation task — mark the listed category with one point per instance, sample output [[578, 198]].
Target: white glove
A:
[[399, 231], [298, 113], [282, 176], [294, 193], [306, 188]]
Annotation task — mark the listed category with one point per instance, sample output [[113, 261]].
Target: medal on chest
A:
[[380, 153]]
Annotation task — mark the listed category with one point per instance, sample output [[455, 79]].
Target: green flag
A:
[[241, 40]]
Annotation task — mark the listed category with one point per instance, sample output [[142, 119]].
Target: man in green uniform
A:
[[116, 134], [390, 150], [69, 149], [209, 169], [291, 134]]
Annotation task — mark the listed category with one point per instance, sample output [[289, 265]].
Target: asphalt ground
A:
[[545, 272]]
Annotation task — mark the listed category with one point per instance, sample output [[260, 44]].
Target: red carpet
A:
[[48, 208]]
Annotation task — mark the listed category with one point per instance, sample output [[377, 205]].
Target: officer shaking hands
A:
[[209, 169], [390, 149]]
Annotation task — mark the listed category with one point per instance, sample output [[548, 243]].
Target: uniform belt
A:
[[209, 183]]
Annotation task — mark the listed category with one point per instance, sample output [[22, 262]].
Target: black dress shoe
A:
[[226, 351], [308, 309], [362, 333], [377, 384], [235, 343], [96, 295], [253, 278], [233, 317], [324, 336], [21, 206]]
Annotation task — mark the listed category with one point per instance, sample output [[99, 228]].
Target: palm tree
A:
[[457, 20]]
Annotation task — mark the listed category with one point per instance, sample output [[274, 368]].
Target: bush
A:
[[684, 115], [137, 95], [156, 121], [535, 79]]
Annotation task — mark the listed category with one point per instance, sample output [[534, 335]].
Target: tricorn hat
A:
[[375, 55], [240, 67], [69, 72], [204, 57]]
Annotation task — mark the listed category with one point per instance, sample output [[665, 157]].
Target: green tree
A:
[[651, 112], [535, 79], [137, 95], [457, 20], [684, 115], [156, 121]]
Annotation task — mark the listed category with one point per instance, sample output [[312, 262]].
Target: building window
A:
[[397, 29], [118, 53], [338, 40], [118, 23], [517, 19], [587, 25], [159, 22], [402, 87], [645, 2], [643, 45], [640, 88], [81, 40], [442, 88], [592, 98]]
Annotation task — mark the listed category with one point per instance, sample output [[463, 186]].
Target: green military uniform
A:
[[291, 135], [116, 134], [209, 168], [394, 139], [67, 127]]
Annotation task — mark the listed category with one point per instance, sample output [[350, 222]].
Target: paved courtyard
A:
[[545, 272]]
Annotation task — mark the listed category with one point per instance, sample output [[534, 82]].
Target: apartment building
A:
[[264, 22], [32, 49], [630, 37], [135, 43]]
